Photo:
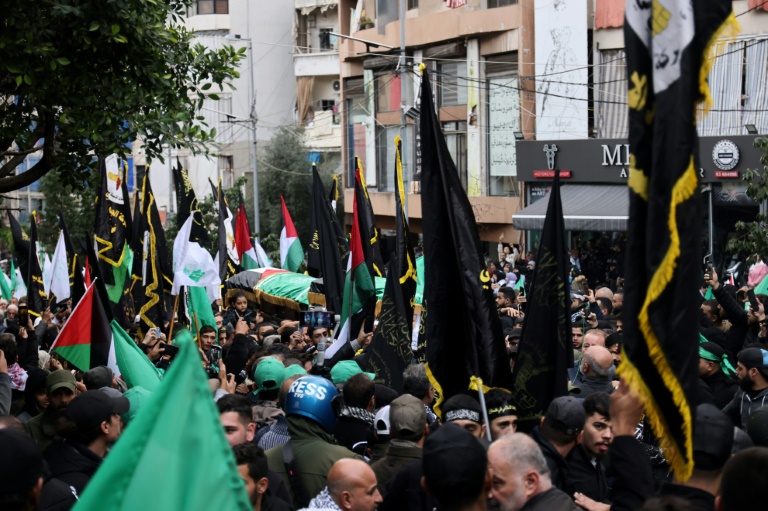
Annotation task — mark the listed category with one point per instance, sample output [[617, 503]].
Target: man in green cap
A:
[[268, 376], [717, 372], [61, 389], [345, 370]]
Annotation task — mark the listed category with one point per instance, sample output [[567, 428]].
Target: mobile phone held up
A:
[[23, 315], [214, 359]]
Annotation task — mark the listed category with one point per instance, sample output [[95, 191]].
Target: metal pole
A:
[[403, 105], [252, 117], [711, 224], [170, 184]]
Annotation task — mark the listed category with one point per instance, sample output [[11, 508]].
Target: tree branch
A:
[[18, 153], [41, 168]]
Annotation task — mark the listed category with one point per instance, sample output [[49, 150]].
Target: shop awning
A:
[[585, 208]]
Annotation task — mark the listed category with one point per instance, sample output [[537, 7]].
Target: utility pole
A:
[[253, 119], [403, 105]]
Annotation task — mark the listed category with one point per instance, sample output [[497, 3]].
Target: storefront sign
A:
[[607, 160]]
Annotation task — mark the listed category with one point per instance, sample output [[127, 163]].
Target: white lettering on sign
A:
[[618, 156]]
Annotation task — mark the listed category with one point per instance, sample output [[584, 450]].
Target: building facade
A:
[[473, 53]]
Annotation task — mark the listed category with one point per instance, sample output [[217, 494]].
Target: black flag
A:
[[111, 228], [229, 263], [368, 231], [20, 246], [153, 259], [544, 352], [390, 351], [187, 204], [667, 46], [323, 257], [37, 300], [74, 265], [464, 337]]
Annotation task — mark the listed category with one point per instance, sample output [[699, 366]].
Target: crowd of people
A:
[[321, 434]]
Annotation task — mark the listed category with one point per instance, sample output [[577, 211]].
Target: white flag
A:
[[59, 273], [192, 264]]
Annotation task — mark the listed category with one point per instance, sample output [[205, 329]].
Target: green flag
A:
[[176, 445], [199, 309], [120, 273], [5, 287], [135, 367]]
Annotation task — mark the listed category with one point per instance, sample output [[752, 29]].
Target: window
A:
[[412, 4], [386, 153], [357, 117], [456, 140], [327, 104], [226, 171], [500, 3], [325, 39], [212, 6], [451, 82]]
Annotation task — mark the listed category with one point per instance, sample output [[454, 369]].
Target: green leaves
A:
[[752, 237], [77, 66]]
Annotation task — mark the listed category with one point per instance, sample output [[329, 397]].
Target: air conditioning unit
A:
[[337, 85]]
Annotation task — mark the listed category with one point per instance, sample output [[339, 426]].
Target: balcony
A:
[[318, 63], [322, 134]]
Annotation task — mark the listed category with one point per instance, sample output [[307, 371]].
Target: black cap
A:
[[754, 357], [21, 464], [99, 376], [462, 407], [93, 407], [454, 464], [712, 438], [566, 415]]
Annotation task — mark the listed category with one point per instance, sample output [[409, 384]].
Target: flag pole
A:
[[173, 317], [197, 329], [477, 381]]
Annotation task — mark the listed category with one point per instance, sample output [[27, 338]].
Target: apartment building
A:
[[472, 53]]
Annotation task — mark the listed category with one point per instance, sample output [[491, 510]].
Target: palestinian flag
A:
[[245, 250], [291, 253], [359, 289], [85, 341]]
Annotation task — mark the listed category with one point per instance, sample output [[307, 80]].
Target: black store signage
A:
[[607, 160]]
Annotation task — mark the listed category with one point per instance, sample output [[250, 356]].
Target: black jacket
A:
[[593, 384], [236, 354], [57, 496], [723, 388], [353, 433], [586, 478], [550, 500], [634, 474], [404, 491], [558, 467], [734, 338], [72, 463], [701, 500]]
